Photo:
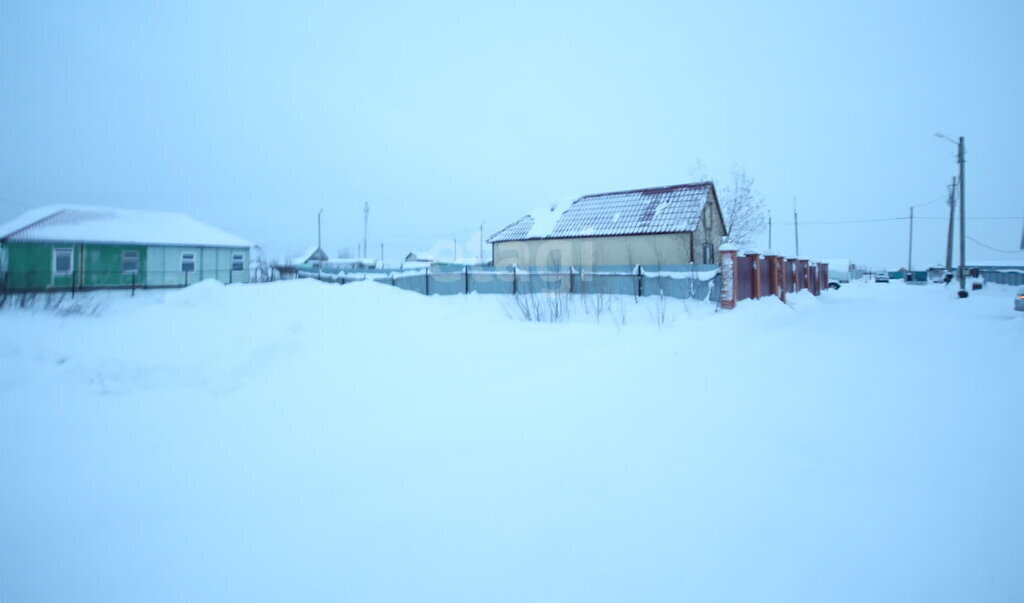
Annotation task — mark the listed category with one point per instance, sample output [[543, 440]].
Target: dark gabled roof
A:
[[658, 210]]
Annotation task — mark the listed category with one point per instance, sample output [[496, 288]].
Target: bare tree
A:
[[743, 208], [742, 205]]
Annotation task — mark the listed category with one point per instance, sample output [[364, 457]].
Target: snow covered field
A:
[[307, 442]]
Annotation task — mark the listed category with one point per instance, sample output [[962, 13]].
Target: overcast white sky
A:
[[443, 115]]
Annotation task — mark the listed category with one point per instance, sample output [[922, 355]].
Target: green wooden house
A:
[[80, 247]]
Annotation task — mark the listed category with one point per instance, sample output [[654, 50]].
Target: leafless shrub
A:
[[549, 306]]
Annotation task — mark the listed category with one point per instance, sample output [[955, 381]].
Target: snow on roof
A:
[[419, 256], [308, 255], [87, 224], [643, 211]]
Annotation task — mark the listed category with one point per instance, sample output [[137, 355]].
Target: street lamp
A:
[[961, 273]]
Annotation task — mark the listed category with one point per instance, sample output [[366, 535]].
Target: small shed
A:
[[67, 247], [667, 225]]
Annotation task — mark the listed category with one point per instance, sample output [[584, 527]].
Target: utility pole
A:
[[910, 249], [963, 228], [962, 271], [319, 241], [366, 219], [769, 230], [382, 255], [482, 243], [796, 229], [949, 235], [455, 249]]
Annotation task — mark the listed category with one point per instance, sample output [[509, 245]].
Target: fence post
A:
[[466, 276], [133, 285], [727, 257], [426, 280], [773, 274], [570, 279], [514, 288], [755, 274], [639, 281]]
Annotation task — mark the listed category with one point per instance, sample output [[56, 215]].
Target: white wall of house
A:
[[164, 265], [585, 252], [217, 263]]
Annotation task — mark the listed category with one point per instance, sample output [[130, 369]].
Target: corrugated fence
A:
[[1003, 276], [692, 281]]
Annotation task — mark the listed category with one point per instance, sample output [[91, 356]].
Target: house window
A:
[[237, 261], [129, 262], [188, 262], [63, 261]]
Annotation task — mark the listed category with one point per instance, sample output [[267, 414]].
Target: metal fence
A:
[[1009, 276], [86, 280], [692, 281]]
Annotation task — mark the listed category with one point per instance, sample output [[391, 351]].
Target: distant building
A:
[[667, 225], [313, 255], [91, 247], [351, 264], [417, 259]]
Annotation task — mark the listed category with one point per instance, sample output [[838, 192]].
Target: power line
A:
[[851, 221], [896, 219], [992, 248], [973, 218], [930, 202]]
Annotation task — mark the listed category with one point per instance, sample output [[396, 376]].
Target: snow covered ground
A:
[[300, 441]]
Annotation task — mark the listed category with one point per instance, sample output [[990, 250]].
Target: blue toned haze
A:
[[252, 116]]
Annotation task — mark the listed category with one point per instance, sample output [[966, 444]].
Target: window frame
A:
[[71, 261], [193, 260], [138, 260], [239, 259]]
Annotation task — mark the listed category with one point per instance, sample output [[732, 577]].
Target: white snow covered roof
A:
[[642, 211], [87, 224], [309, 254]]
